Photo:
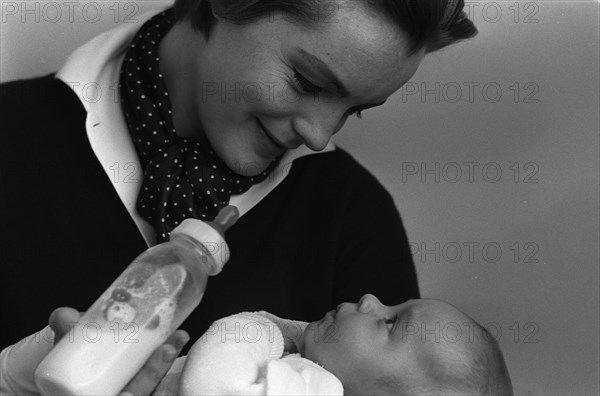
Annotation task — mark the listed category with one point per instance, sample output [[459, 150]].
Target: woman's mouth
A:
[[279, 147]]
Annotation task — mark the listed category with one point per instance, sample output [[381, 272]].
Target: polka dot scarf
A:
[[182, 177]]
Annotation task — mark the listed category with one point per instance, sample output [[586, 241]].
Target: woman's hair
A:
[[429, 24]]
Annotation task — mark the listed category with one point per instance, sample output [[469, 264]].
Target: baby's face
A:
[[359, 342]]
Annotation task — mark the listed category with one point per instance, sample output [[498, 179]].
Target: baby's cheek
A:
[[313, 346], [307, 344]]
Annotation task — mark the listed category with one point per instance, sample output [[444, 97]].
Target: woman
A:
[[207, 104]]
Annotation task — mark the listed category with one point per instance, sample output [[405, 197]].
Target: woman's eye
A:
[[305, 85]]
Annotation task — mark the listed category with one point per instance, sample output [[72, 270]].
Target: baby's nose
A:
[[368, 302]]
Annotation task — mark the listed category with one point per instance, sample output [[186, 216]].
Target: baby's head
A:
[[419, 347]]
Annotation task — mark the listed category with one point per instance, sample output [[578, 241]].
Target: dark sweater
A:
[[328, 233]]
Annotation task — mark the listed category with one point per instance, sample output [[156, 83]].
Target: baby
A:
[[418, 347]]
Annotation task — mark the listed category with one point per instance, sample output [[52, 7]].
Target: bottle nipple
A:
[[225, 219]]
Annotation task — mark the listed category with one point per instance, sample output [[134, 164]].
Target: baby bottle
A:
[[135, 315]]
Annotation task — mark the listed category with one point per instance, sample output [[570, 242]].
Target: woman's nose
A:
[[316, 130], [368, 303]]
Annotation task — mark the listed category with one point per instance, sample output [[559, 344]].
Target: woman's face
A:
[[259, 89]]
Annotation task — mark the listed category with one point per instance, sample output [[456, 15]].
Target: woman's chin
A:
[[249, 168]]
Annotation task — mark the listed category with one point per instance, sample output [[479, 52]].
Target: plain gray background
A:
[[491, 153]]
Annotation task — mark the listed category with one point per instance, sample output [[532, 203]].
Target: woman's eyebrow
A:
[[325, 70]]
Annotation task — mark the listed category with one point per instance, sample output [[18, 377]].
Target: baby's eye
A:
[[390, 323], [356, 111]]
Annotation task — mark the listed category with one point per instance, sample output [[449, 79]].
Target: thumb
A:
[[62, 320]]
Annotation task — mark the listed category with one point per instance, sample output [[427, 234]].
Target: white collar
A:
[[92, 71]]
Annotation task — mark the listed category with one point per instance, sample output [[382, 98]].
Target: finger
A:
[[178, 339], [150, 375], [62, 320], [159, 363]]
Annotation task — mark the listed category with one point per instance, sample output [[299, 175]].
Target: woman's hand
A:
[[149, 376]]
